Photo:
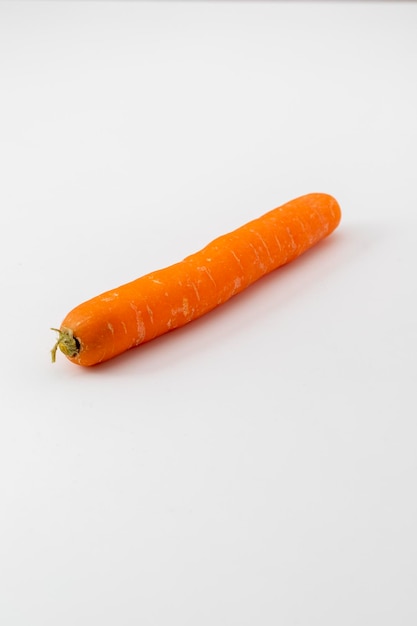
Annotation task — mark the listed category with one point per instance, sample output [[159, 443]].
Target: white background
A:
[[258, 466]]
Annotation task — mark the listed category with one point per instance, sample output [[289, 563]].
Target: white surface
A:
[[258, 466]]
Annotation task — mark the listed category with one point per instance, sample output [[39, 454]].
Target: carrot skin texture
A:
[[134, 313]]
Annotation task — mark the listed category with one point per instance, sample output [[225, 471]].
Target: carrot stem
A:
[[66, 342]]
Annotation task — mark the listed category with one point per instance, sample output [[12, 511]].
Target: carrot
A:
[[169, 298]]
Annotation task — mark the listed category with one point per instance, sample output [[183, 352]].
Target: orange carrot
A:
[[156, 303]]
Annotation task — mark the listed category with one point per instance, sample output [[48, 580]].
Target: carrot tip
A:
[[66, 342]]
